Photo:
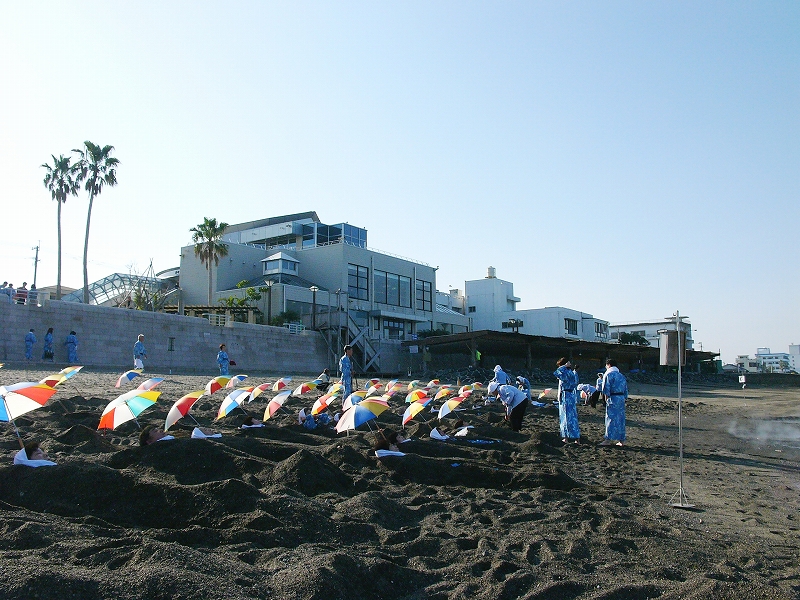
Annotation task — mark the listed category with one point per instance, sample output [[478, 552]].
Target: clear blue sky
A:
[[626, 159]]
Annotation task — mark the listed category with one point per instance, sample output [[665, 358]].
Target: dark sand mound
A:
[[281, 512]]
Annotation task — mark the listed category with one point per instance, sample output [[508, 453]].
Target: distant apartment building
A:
[[651, 330], [774, 362], [492, 305], [745, 364]]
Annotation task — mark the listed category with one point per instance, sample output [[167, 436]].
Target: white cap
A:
[[493, 387]]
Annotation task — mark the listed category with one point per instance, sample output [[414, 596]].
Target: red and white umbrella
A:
[[182, 407]]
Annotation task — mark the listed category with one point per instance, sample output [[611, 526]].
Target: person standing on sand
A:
[[72, 347], [223, 361], [346, 370], [47, 352], [30, 340], [567, 401], [139, 353], [615, 389]]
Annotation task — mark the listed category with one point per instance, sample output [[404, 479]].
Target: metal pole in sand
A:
[[681, 494]]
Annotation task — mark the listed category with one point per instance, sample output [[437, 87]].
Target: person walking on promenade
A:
[[346, 370], [30, 340], [139, 353], [567, 401], [47, 352], [223, 361], [615, 389], [72, 347], [33, 296], [10, 292], [22, 294]]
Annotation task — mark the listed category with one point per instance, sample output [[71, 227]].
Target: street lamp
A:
[[314, 289]]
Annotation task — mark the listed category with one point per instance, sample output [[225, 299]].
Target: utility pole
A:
[[35, 262]]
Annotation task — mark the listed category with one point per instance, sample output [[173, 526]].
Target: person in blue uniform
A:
[[223, 361], [567, 401], [346, 370], [524, 385], [615, 389], [139, 353], [72, 347], [30, 340], [500, 376], [514, 399], [47, 351]]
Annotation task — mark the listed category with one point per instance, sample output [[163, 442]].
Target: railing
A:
[[216, 319], [295, 327], [36, 298]]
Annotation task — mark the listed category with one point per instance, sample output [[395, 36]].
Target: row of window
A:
[[390, 288]]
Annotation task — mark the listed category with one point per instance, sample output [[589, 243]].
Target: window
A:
[[601, 330], [571, 326], [641, 333], [394, 329], [471, 309], [424, 295], [358, 282], [512, 324], [392, 289]]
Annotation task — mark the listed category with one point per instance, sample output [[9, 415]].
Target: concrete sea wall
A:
[[187, 344]]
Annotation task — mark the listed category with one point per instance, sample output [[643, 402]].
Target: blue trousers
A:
[[615, 418], [568, 415]]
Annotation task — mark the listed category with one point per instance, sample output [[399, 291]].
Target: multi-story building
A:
[[492, 305], [745, 364], [651, 330], [327, 275], [774, 362]]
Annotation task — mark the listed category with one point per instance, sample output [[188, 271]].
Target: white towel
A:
[[463, 431], [252, 426], [438, 436], [197, 434], [380, 453], [21, 458]]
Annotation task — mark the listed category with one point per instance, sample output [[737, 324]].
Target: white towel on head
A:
[[198, 435], [21, 458], [380, 453], [438, 436]]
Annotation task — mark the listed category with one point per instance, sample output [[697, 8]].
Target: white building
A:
[[492, 305], [774, 362], [745, 364], [650, 330]]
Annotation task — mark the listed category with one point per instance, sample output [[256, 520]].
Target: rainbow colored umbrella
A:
[[323, 402], [126, 408], [414, 385], [128, 376], [414, 409], [354, 398], [258, 390], [416, 395], [359, 414], [370, 382], [216, 384], [276, 403], [61, 376], [444, 392], [150, 383], [432, 383], [336, 388], [373, 390], [283, 382], [545, 392], [233, 401], [181, 408], [304, 388], [235, 380], [22, 398], [465, 388], [449, 406]]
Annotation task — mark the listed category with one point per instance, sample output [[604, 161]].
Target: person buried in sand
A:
[[515, 401], [151, 434], [32, 456], [389, 440]]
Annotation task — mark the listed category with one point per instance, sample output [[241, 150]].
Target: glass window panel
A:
[[392, 289], [380, 287], [405, 292]]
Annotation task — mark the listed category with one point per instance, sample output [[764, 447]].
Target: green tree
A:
[[288, 316], [62, 179], [208, 245], [251, 296], [98, 168], [633, 339]]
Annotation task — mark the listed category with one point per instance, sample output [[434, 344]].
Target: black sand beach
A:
[[282, 512]]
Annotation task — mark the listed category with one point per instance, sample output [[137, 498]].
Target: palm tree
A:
[[97, 167], [62, 179], [208, 245]]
